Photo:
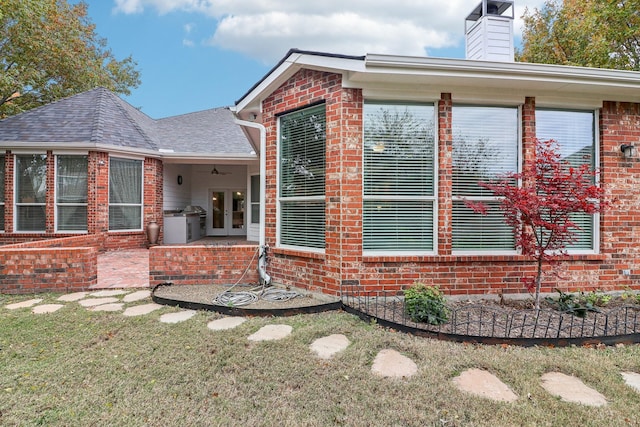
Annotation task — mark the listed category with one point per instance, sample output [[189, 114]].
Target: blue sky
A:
[[200, 54]]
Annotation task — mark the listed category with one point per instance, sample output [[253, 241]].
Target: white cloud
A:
[[266, 29]]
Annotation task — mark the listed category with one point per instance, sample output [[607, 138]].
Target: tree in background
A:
[[540, 210], [49, 50], [589, 33]]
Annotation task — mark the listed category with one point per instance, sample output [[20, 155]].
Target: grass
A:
[[80, 368]]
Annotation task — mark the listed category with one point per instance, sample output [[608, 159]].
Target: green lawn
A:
[[80, 368]]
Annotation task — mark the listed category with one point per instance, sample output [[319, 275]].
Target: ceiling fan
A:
[[215, 171]]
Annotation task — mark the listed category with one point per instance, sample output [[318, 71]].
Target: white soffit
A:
[[515, 79]]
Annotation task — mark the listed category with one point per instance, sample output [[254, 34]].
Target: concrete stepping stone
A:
[[137, 296], [271, 333], [72, 297], [571, 389], [225, 323], [139, 310], [484, 384], [23, 304], [178, 317], [114, 306], [632, 379], [326, 347], [46, 308], [109, 293], [92, 302], [391, 364]]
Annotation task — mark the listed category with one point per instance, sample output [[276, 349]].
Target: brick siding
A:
[[198, 265], [343, 262]]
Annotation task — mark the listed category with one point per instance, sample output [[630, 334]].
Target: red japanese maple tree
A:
[[540, 209]]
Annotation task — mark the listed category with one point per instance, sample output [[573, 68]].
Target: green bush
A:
[[426, 304]]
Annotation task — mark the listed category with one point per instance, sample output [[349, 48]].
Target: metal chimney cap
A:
[[501, 7]]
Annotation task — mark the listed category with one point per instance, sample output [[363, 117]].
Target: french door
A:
[[226, 213]]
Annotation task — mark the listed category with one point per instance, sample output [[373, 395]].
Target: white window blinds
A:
[[302, 178], [485, 147], [574, 131], [398, 177], [71, 193]]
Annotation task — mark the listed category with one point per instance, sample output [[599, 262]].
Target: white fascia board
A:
[[208, 158], [294, 62], [41, 145], [456, 75]]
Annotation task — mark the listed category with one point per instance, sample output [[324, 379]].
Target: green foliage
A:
[[580, 303], [426, 304], [588, 33], [49, 50], [631, 295]]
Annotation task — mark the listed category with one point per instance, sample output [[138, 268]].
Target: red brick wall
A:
[[51, 265], [197, 265], [343, 263], [98, 203]]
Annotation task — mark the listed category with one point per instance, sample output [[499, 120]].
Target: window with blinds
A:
[[302, 178], [574, 131], [30, 192], [125, 194], [399, 197], [71, 193], [485, 148]]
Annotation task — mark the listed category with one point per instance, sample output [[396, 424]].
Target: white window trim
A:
[[55, 195], [279, 199], [251, 201], [141, 204], [596, 162], [433, 199], [492, 252], [15, 193]]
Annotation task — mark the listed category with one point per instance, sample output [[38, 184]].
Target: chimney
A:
[[489, 31]]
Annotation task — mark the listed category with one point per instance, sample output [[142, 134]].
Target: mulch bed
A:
[[516, 319]]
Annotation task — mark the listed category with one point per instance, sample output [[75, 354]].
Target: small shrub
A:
[[426, 304], [596, 298], [631, 295], [577, 304]]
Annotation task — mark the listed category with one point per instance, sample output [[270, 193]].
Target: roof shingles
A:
[[100, 117]]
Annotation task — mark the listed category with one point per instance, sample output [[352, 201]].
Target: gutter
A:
[[262, 257]]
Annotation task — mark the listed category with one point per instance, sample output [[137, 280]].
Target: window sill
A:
[[298, 253], [439, 259]]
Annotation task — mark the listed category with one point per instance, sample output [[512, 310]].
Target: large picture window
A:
[[71, 193], [302, 178], [125, 194], [398, 178], [31, 189], [485, 147], [574, 131]]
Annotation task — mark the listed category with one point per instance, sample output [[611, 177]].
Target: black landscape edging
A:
[[522, 342], [240, 311]]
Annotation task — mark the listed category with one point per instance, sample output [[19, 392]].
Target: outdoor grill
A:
[[203, 217]]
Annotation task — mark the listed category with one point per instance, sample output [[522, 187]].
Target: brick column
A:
[[445, 166], [50, 195], [97, 192], [351, 168]]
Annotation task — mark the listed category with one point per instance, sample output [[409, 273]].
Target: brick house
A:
[[350, 171], [367, 161], [92, 163], [88, 173]]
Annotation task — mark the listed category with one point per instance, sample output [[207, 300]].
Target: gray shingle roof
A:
[[193, 133], [100, 117]]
